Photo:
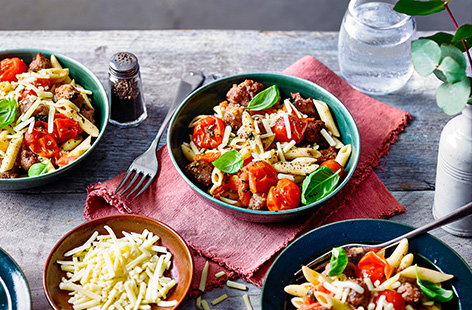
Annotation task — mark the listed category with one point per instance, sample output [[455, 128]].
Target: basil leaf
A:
[[8, 109], [338, 262], [319, 184], [37, 169], [265, 99], [229, 162], [433, 291]]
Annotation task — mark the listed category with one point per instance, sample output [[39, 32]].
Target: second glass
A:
[[374, 47]]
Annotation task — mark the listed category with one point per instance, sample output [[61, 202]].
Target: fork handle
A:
[[189, 82], [458, 214]]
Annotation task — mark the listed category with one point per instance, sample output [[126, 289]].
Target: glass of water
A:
[[374, 47]]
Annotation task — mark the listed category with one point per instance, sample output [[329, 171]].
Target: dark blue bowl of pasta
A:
[[98, 101], [429, 252], [204, 99]]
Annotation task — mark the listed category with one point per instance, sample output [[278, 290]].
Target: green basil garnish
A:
[[229, 162], [37, 169], [338, 262], [433, 291], [8, 109], [319, 184], [265, 99]]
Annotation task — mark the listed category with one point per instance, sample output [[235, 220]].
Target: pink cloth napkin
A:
[[246, 249]]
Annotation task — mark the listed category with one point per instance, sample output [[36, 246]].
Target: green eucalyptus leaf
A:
[[338, 261], [425, 55], [455, 53], [440, 75], [319, 184], [463, 33], [37, 169], [418, 7], [229, 162], [445, 38], [8, 110], [453, 71], [452, 97], [265, 99]]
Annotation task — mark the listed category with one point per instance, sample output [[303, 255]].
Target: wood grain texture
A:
[[33, 220]]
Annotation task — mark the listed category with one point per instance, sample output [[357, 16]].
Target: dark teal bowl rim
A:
[[105, 110], [364, 227], [254, 75], [18, 297]]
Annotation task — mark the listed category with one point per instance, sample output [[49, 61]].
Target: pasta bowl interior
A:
[[115, 268], [284, 100], [428, 260], [54, 112]]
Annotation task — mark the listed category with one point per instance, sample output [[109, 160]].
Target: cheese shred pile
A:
[[107, 272]]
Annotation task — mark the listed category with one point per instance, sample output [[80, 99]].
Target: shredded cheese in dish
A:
[[126, 272]]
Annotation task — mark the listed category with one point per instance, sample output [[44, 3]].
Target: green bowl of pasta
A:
[[53, 112], [258, 145]]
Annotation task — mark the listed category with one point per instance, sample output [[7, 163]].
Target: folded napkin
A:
[[243, 248]]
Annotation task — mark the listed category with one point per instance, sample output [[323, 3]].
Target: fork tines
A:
[[137, 179]]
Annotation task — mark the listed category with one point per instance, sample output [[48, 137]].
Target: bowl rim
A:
[[360, 221], [127, 217], [106, 111], [356, 137], [21, 273]]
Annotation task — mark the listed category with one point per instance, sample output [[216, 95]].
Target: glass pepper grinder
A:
[[128, 108]]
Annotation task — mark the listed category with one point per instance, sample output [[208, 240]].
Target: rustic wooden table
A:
[[31, 221]]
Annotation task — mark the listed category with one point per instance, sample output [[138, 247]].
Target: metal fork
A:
[[145, 167], [323, 260]]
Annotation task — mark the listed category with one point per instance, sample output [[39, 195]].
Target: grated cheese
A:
[[280, 152], [289, 145], [205, 305], [287, 126], [226, 136], [124, 273], [236, 285], [247, 302], [51, 119], [198, 302], [220, 274], [219, 299], [24, 123], [281, 176], [194, 147], [328, 137], [349, 284], [288, 106], [203, 278], [265, 123]]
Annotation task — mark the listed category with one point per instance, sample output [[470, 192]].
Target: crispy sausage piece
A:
[[312, 132], [39, 62], [9, 174], [305, 106], [329, 153], [27, 158], [26, 103], [258, 202], [244, 92], [200, 171], [88, 113], [411, 293], [232, 115], [358, 299], [69, 92]]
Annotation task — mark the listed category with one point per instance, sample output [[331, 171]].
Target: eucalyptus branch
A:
[[457, 27]]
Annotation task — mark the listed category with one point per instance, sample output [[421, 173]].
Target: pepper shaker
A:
[[128, 108]]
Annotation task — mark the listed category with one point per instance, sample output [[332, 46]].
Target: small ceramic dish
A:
[[14, 289], [182, 262], [202, 101], [89, 81], [428, 250]]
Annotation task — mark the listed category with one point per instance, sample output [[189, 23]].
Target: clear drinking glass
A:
[[374, 47]]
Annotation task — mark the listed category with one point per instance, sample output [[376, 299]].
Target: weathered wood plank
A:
[[165, 55]]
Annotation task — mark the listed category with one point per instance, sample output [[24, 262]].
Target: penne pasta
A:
[[325, 115], [343, 155]]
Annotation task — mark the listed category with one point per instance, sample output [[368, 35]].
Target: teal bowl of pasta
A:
[[53, 112], [264, 147]]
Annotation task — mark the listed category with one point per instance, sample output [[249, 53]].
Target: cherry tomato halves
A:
[[297, 129], [10, 67], [208, 132], [394, 298], [284, 196]]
